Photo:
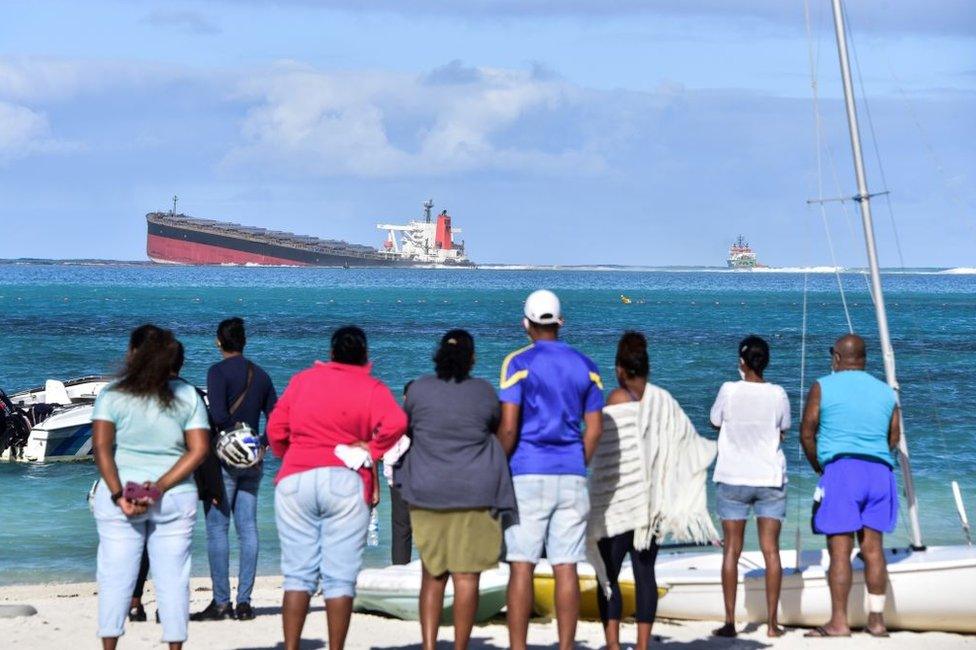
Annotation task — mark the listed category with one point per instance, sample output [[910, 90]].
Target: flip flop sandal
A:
[[822, 633], [878, 635]]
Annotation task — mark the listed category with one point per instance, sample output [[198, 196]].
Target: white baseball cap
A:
[[542, 308]]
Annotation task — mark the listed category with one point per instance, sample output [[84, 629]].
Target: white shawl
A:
[[649, 475]]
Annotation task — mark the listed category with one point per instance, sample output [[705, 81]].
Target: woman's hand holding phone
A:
[[131, 508]]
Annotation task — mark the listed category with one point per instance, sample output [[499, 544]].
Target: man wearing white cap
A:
[[549, 391]]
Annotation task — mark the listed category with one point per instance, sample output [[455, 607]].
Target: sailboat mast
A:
[[864, 200]]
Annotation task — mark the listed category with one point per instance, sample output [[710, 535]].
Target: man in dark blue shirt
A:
[[226, 382]]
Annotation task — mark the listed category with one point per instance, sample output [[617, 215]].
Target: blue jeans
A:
[[241, 501], [167, 531], [322, 519]]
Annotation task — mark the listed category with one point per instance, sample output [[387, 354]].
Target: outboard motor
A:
[[15, 426]]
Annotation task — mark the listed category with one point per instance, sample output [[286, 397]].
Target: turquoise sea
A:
[[67, 321]]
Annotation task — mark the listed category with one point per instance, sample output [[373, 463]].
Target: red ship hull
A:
[[174, 251]]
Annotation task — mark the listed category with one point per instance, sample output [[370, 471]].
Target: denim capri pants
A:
[[322, 520]]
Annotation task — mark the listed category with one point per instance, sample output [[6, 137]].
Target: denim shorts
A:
[[553, 510], [733, 501], [322, 520]]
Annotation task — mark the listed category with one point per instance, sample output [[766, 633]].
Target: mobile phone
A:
[[136, 492]]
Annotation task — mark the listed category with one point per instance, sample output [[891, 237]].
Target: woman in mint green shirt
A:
[[149, 429]]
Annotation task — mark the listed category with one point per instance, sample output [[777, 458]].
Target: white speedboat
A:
[[50, 422], [395, 591], [930, 589]]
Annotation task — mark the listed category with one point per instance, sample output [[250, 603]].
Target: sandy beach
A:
[[66, 615]]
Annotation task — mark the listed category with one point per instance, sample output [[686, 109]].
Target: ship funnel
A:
[[443, 238]]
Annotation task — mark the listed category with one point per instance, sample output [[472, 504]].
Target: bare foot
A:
[[774, 631], [727, 630], [876, 625], [827, 631]]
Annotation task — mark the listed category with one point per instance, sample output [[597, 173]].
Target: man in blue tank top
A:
[[552, 402], [850, 426]]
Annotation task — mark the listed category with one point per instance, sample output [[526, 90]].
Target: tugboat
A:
[[741, 256]]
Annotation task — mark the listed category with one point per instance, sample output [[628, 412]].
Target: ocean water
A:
[[66, 321]]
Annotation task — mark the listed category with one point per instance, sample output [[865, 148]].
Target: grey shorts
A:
[[734, 501]]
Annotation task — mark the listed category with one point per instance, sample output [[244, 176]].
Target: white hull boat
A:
[[395, 591], [933, 589], [54, 422]]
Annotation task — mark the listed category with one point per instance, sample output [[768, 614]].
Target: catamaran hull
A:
[[933, 589], [395, 591]]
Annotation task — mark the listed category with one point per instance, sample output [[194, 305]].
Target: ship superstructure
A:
[[425, 242], [176, 238], [741, 256]]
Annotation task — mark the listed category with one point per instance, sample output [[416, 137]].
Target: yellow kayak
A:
[[545, 591]]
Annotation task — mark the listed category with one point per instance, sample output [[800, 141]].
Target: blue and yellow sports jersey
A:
[[554, 385]]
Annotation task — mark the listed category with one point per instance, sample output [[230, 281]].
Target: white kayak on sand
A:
[[395, 591], [933, 589]]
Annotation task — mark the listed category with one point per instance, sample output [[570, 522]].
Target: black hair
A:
[[148, 367], [632, 354], [754, 351], [552, 328], [139, 334], [455, 356], [230, 335], [349, 346]]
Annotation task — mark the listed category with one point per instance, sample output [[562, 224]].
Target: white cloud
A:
[[23, 132], [380, 124], [35, 79]]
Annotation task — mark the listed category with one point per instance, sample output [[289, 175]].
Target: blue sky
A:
[[581, 131]]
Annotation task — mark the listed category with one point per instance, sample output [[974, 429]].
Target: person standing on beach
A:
[[401, 532], [647, 481], [752, 417], [549, 393], [238, 390], [149, 432], [851, 423], [333, 422], [456, 480]]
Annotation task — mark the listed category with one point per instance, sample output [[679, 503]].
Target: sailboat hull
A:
[[933, 589]]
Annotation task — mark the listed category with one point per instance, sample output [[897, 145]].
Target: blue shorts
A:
[[855, 493], [553, 510], [733, 501]]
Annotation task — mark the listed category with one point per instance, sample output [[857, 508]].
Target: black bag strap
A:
[[239, 400]]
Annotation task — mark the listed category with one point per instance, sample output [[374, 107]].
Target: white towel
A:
[[353, 457], [649, 475], [393, 456]]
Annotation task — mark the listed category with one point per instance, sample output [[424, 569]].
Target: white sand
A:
[[67, 614]]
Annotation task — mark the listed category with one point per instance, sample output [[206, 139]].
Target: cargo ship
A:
[[741, 256], [176, 238]]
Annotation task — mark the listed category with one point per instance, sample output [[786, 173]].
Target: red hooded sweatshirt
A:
[[333, 404]]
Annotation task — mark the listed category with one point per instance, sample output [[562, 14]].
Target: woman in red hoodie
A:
[[321, 504]]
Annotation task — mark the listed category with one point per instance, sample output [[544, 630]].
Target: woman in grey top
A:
[[456, 480]]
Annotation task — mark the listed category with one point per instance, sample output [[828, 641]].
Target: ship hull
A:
[[168, 244]]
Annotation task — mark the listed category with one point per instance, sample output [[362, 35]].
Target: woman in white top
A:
[[752, 417]]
